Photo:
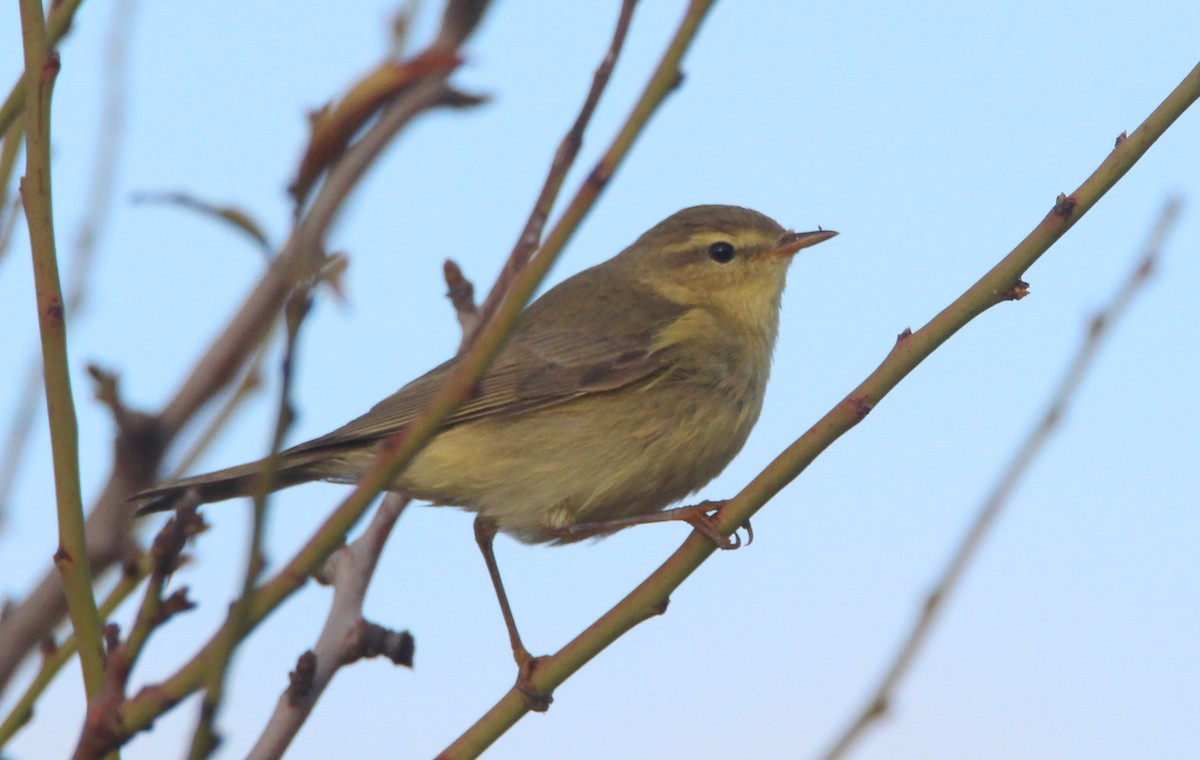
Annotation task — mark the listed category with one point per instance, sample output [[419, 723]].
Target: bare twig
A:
[[398, 451], [531, 236], [20, 429], [349, 570], [42, 65], [1003, 281], [250, 383], [10, 148], [881, 698], [233, 216], [163, 559], [138, 457], [98, 211]]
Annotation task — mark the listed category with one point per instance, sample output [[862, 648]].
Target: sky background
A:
[[933, 136]]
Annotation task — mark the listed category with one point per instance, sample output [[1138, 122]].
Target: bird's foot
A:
[[702, 517], [535, 699]]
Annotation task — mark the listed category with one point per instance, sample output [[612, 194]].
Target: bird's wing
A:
[[531, 372]]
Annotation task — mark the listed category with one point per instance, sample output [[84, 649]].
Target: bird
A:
[[622, 390]]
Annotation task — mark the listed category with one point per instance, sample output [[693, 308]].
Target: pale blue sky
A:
[[933, 138]]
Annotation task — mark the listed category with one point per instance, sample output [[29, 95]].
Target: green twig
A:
[[41, 64], [1001, 283], [877, 705]]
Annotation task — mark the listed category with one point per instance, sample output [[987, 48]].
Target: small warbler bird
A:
[[622, 390]]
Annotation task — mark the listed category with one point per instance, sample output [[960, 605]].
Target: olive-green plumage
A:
[[623, 389]]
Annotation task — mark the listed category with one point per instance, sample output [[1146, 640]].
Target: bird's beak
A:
[[794, 241]]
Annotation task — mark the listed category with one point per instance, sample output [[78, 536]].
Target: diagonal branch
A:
[[999, 284], [350, 568], [878, 704]]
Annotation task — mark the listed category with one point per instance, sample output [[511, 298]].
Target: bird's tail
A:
[[229, 483]]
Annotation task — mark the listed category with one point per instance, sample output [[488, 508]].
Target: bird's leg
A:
[[696, 515], [485, 533]]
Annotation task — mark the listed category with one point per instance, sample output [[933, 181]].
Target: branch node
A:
[[374, 640], [168, 544], [112, 638], [1019, 290], [48, 646], [300, 680], [461, 293], [1064, 205], [860, 407]]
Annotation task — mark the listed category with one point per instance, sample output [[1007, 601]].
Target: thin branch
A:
[[302, 255], [163, 559], [1098, 329], [349, 570], [250, 383], [99, 206], [41, 66], [233, 216], [564, 158], [20, 429], [999, 284]]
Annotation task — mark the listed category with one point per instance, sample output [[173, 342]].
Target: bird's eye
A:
[[721, 252]]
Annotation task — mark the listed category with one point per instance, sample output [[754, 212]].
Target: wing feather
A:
[[531, 372]]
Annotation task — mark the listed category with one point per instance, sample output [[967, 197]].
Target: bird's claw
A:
[[705, 523]]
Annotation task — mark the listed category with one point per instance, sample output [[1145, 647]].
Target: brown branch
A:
[[306, 237], [138, 457], [398, 451], [878, 705], [164, 558]]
